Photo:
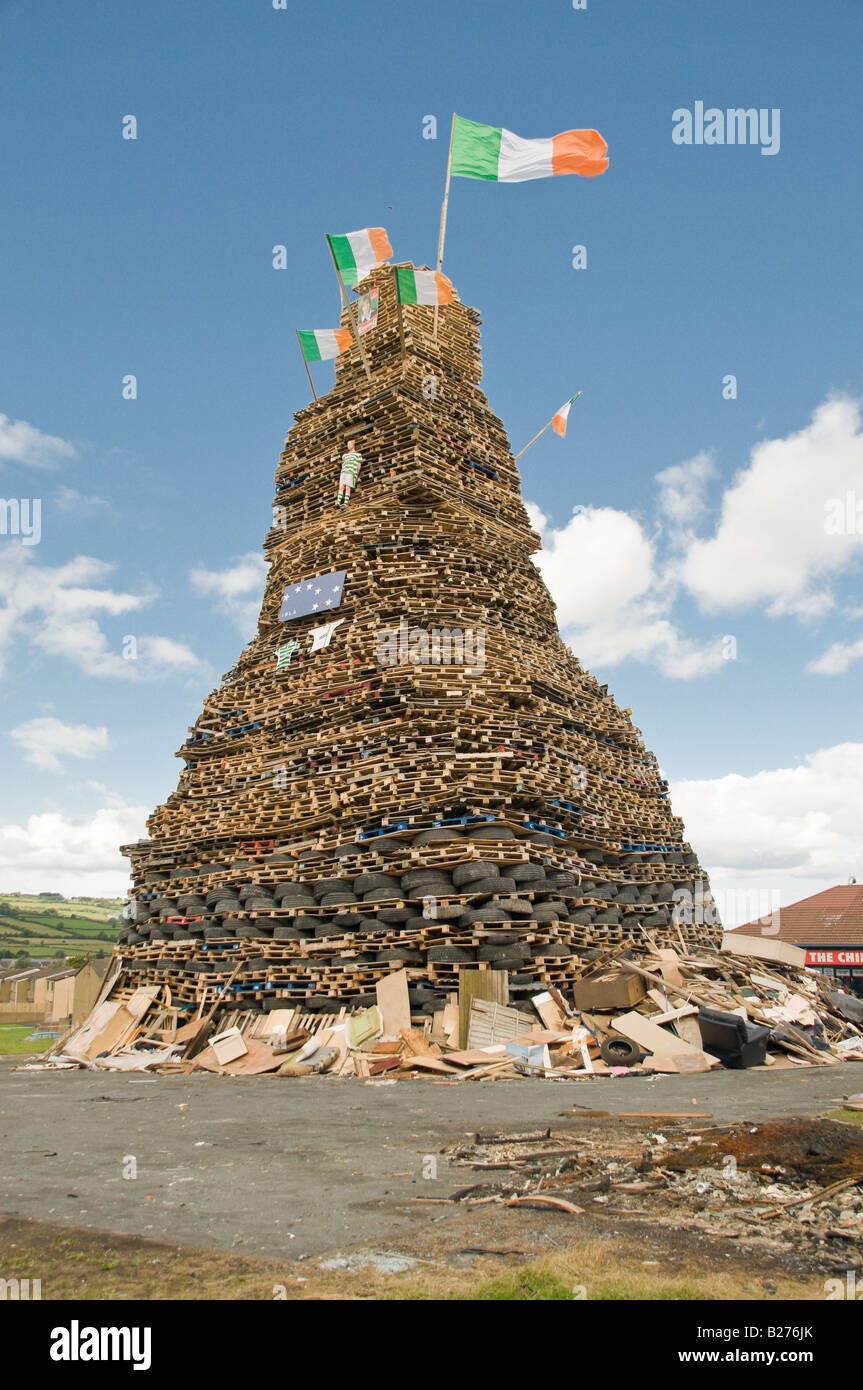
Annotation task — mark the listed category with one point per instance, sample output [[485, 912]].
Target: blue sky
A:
[[259, 127]]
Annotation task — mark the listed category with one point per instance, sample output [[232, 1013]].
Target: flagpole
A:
[[443, 211], [532, 441], [305, 363], [350, 308], [542, 431]]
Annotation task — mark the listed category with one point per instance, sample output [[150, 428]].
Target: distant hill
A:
[[43, 925]]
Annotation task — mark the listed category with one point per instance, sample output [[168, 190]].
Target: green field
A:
[[13, 1040], [43, 926]]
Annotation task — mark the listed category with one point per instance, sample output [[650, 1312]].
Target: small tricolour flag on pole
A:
[[356, 253], [423, 287], [320, 344], [558, 421], [496, 154]]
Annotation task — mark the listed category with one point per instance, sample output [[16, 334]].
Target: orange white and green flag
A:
[[356, 253], [496, 154], [320, 344], [422, 287], [558, 421]]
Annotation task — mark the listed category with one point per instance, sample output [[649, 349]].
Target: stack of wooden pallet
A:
[[434, 784]]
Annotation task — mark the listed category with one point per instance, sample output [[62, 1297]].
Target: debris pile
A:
[[627, 1013], [799, 1181]]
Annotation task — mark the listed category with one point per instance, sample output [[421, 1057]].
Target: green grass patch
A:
[[14, 1041], [629, 1293], [531, 1283], [849, 1117], [541, 1283]]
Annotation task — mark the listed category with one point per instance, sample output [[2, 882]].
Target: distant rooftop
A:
[[833, 917]]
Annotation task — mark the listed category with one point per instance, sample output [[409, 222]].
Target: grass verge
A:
[[92, 1267]]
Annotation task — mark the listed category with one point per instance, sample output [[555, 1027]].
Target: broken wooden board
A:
[[669, 967], [257, 1059], [393, 1002], [549, 1011], [476, 983], [477, 1056], [763, 948], [661, 1044], [421, 1063], [495, 1023], [229, 1046], [108, 1026]]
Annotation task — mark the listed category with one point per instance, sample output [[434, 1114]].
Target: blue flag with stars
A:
[[312, 596]]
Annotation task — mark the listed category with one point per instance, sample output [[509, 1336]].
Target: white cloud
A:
[[74, 855], [774, 543], [45, 741], [69, 499], [236, 591], [682, 490], [53, 609], [23, 443], [83, 642], [789, 524], [613, 595], [164, 655], [792, 831], [837, 659]]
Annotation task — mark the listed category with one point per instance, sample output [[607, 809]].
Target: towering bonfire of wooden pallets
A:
[[435, 781]]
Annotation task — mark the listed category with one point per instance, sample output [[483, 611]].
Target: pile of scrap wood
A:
[[657, 1011], [429, 777]]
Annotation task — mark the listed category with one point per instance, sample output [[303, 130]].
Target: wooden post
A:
[[351, 315], [401, 318], [443, 211], [305, 364]]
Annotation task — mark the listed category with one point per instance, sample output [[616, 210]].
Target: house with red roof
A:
[[828, 927]]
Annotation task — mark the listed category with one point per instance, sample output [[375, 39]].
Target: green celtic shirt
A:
[[351, 463]]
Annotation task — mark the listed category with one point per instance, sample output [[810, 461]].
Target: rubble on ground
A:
[[677, 1172], [629, 1013]]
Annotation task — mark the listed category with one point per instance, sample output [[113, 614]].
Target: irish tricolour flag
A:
[[558, 421], [489, 152], [319, 344], [422, 287], [356, 253]]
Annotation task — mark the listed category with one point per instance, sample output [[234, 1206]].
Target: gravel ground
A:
[[283, 1168]]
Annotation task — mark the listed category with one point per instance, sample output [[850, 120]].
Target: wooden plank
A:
[[392, 997], [763, 948], [478, 984], [659, 1042]]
